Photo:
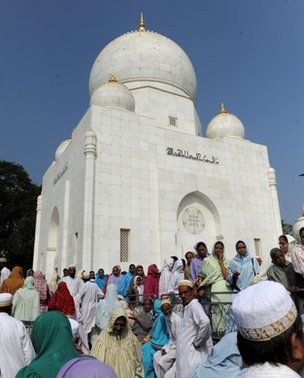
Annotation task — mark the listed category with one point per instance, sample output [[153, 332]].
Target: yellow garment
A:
[[187, 272], [122, 353]]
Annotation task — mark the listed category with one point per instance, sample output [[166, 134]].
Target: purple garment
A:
[[195, 267], [87, 367], [115, 280]]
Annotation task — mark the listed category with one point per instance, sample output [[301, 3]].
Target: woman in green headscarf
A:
[[53, 341]]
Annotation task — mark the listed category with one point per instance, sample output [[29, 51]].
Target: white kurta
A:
[[268, 370], [87, 299], [192, 339], [16, 350]]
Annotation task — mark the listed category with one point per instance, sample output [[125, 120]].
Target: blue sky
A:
[[248, 54]]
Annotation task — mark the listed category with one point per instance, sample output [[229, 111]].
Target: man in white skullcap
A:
[[270, 335], [16, 350], [87, 298], [193, 339], [164, 359]]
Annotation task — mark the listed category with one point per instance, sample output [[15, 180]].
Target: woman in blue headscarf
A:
[[159, 337], [242, 268]]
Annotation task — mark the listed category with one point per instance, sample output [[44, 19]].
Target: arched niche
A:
[[52, 245], [197, 220]]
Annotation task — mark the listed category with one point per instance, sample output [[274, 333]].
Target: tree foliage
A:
[[18, 199], [287, 228]]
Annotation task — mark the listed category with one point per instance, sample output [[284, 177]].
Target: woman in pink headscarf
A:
[[152, 282], [43, 289]]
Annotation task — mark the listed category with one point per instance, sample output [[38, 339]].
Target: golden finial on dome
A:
[[112, 78], [222, 109], [142, 23]]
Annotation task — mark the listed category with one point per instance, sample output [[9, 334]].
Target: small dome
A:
[[113, 94], [61, 148], [144, 55], [225, 125]]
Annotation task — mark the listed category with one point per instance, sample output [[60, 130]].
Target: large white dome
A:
[[144, 56], [225, 125]]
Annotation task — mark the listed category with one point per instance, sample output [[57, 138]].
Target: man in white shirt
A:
[[73, 283], [270, 336], [193, 339], [87, 298], [16, 350]]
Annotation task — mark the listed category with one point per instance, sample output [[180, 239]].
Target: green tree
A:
[[18, 199], [287, 228]]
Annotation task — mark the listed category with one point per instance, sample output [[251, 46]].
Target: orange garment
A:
[[14, 281]]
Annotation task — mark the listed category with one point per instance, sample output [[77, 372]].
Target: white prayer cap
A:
[[185, 283], [263, 311], [165, 300], [86, 276], [6, 299]]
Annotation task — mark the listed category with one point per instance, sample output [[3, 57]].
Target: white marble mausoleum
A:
[[137, 181]]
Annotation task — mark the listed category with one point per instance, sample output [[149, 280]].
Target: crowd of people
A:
[[128, 324]]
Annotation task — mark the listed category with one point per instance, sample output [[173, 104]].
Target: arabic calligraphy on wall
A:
[[187, 155]]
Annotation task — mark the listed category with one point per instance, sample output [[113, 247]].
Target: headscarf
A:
[[62, 300], [122, 352], [28, 272], [159, 334], [86, 367], [165, 275], [123, 287], [196, 262], [176, 276], [224, 360], [26, 301], [106, 305], [151, 282], [112, 279], [101, 281], [14, 281], [40, 284], [53, 340]]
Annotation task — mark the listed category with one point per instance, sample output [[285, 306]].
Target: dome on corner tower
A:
[[144, 56], [113, 94], [225, 125]]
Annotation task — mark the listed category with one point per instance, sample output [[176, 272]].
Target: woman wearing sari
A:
[[158, 338], [215, 272], [151, 283], [242, 268]]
